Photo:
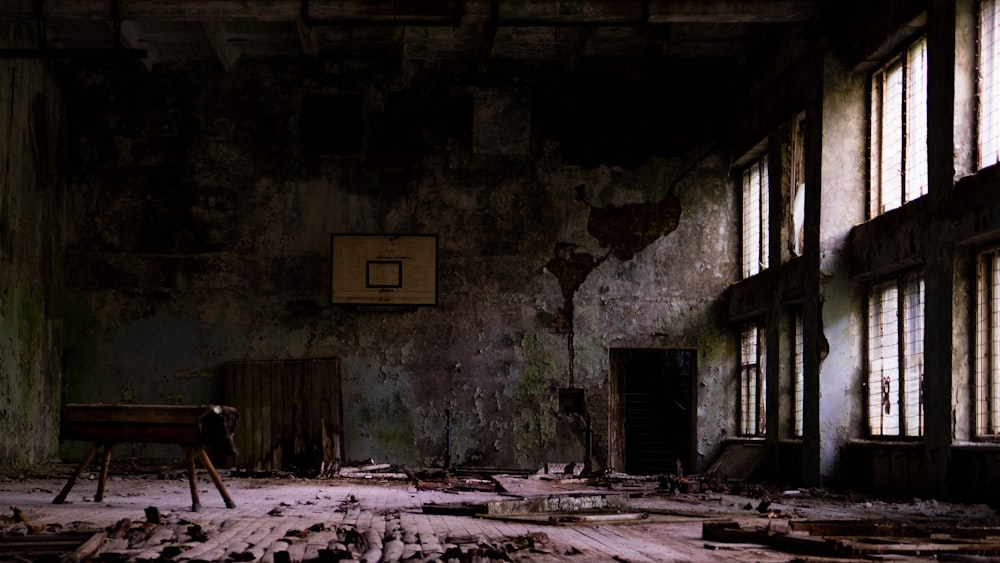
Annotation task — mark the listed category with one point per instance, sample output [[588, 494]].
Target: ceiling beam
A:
[[358, 12]]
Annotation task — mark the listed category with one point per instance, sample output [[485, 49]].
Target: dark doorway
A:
[[653, 402]]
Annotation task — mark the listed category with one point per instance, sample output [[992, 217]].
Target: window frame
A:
[[797, 177], [752, 415], [907, 345], [911, 182], [798, 372], [991, 82], [986, 339], [755, 213]]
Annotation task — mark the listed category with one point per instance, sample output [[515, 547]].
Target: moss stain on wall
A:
[[31, 258], [534, 425]]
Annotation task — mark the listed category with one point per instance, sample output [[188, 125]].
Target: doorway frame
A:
[[616, 406]]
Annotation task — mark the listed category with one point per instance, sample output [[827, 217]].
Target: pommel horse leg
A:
[[215, 477], [61, 497], [195, 503], [105, 462]]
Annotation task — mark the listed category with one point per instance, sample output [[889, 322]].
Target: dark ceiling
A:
[[570, 32]]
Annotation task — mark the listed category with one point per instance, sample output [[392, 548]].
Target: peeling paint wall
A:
[[200, 235], [31, 251]]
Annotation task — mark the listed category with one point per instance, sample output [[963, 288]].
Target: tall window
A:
[[755, 213], [896, 357], [752, 391], [798, 185], [989, 83], [899, 130], [987, 360], [798, 375]]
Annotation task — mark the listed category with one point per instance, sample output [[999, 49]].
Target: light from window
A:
[[899, 130], [987, 360], [752, 391], [989, 83], [755, 213], [896, 357], [798, 376]]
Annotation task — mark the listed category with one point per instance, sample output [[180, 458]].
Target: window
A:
[[899, 130], [987, 347], [798, 375], [752, 392], [989, 83], [896, 357], [798, 185], [755, 213]]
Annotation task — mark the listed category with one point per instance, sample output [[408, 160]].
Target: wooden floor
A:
[[295, 519]]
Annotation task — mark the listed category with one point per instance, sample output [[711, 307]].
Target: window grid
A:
[[895, 357], [755, 214], [899, 130], [987, 362], [752, 388], [798, 377], [916, 121], [989, 83]]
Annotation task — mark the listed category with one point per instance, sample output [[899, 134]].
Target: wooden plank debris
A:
[[920, 541], [917, 528], [71, 547], [568, 518], [568, 502]]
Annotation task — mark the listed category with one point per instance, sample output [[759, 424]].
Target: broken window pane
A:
[[798, 185]]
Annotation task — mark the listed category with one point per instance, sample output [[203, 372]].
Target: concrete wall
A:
[[842, 325], [567, 207], [31, 252]]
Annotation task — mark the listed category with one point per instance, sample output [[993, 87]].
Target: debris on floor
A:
[[867, 538], [476, 514], [278, 541], [68, 547], [554, 503]]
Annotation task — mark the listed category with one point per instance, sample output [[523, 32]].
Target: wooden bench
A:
[[191, 427]]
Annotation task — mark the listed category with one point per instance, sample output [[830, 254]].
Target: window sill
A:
[[894, 442], [751, 440], [973, 446]]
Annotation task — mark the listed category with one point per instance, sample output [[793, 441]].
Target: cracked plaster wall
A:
[[31, 246], [200, 235]]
